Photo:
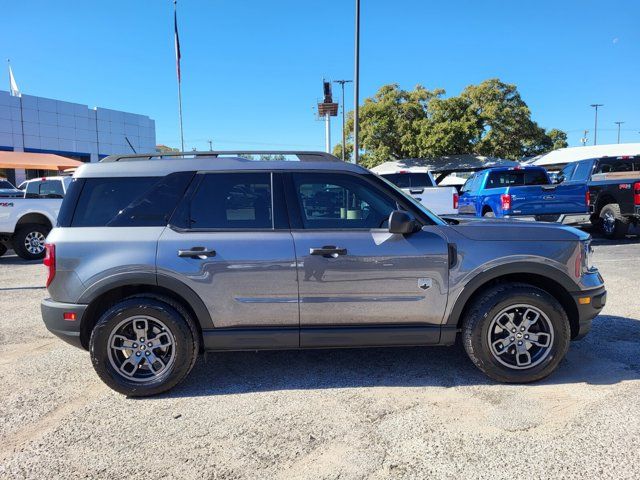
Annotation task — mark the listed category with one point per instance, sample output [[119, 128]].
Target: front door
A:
[[233, 252], [351, 270]]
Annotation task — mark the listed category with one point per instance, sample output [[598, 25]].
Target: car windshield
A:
[[408, 180], [5, 185], [435, 218]]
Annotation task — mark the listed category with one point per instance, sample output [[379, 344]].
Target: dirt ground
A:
[[373, 413]]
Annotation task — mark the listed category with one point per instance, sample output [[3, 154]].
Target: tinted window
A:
[[408, 180], [468, 185], [517, 177], [51, 188], [231, 201], [5, 184], [582, 172], [566, 172], [120, 201], [340, 201]]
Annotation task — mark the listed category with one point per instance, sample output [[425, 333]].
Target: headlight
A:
[[587, 256]]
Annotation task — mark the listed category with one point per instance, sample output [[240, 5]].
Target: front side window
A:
[[232, 201], [338, 201], [566, 172], [468, 185]]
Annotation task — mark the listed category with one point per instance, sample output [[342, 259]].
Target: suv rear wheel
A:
[[143, 346], [516, 333], [28, 241]]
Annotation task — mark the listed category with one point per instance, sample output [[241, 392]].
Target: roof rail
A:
[[301, 156]]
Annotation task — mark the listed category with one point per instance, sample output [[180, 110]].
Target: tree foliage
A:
[[487, 119]]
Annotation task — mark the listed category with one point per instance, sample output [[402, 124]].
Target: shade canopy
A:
[[36, 161], [444, 164], [562, 156]]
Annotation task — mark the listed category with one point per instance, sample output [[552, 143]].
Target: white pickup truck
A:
[[420, 184], [25, 221]]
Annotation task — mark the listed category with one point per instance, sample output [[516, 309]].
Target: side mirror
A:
[[401, 222], [559, 179]]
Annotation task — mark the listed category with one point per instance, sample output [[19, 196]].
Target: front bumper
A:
[[596, 298], [53, 316]]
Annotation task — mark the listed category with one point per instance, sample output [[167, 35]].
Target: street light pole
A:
[[344, 136], [595, 130], [356, 86], [618, 123]]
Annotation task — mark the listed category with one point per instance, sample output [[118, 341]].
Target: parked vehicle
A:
[[419, 183], [7, 190], [155, 260], [26, 222], [525, 193], [614, 188]]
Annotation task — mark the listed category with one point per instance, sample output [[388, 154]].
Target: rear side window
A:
[[128, 202], [408, 180], [582, 172], [517, 177], [230, 201]]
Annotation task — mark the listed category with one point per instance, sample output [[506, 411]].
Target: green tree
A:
[[488, 119]]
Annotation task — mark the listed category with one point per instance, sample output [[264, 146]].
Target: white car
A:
[[26, 221], [420, 184]]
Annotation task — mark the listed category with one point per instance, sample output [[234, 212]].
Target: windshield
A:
[[436, 219], [408, 180], [5, 185]]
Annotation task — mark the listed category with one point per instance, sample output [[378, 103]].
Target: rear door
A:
[[351, 270], [231, 245]]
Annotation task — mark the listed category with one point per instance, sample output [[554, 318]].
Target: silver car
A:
[[156, 259]]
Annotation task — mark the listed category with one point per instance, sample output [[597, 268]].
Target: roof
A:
[[158, 167], [562, 156], [36, 161], [448, 163]]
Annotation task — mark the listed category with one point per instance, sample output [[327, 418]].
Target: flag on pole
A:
[[177, 39], [13, 86]]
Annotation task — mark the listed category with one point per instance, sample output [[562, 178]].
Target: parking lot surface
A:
[[373, 413]]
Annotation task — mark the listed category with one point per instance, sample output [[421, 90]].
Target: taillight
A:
[[50, 262], [636, 193], [587, 198], [505, 201], [455, 201]]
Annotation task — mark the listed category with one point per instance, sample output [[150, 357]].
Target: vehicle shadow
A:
[[632, 237], [609, 354], [11, 258]]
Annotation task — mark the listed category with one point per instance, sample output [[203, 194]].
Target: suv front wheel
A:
[[516, 333], [143, 346]]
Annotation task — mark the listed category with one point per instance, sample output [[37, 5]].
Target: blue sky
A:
[[252, 70]]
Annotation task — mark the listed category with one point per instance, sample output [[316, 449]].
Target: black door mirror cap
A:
[[401, 222]]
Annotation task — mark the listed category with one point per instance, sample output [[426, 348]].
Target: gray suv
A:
[[155, 259]]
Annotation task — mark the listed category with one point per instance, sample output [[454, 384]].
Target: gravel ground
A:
[[376, 413]]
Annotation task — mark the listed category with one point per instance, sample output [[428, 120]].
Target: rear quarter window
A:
[[125, 202]]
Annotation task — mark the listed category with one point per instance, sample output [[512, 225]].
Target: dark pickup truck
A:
[[614, 191]]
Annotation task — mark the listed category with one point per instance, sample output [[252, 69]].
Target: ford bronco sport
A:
[[158, 257]]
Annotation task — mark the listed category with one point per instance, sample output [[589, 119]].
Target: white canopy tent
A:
[[558, 158]]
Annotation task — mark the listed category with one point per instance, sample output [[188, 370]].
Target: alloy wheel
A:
[[520, 336], [34, 243], [609, 222], [141, 348]]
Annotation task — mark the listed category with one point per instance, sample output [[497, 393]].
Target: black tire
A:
[[489, 214], [3, 249], [20, 237], [612, 224], [177, 321], [481, 315]]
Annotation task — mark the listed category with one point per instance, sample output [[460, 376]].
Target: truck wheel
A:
[[28, 241], [516, 333], [612, 224], [3, 249], [143, 346], [489, 214]]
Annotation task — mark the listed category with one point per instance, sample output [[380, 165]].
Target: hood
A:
[[492, 230]]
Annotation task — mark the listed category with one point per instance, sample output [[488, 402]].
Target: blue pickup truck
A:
[[523, 192]]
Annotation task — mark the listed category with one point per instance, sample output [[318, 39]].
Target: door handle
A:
[[197, 252], [328, 251]]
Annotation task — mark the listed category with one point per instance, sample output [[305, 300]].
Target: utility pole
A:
[[210, 145], [618, 123], [356, 86], [344, 136], [584, 138], [595, 130]]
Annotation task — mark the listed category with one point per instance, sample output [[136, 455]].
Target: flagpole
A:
[[177, 45]]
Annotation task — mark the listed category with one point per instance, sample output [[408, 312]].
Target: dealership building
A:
[[45, 125]]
